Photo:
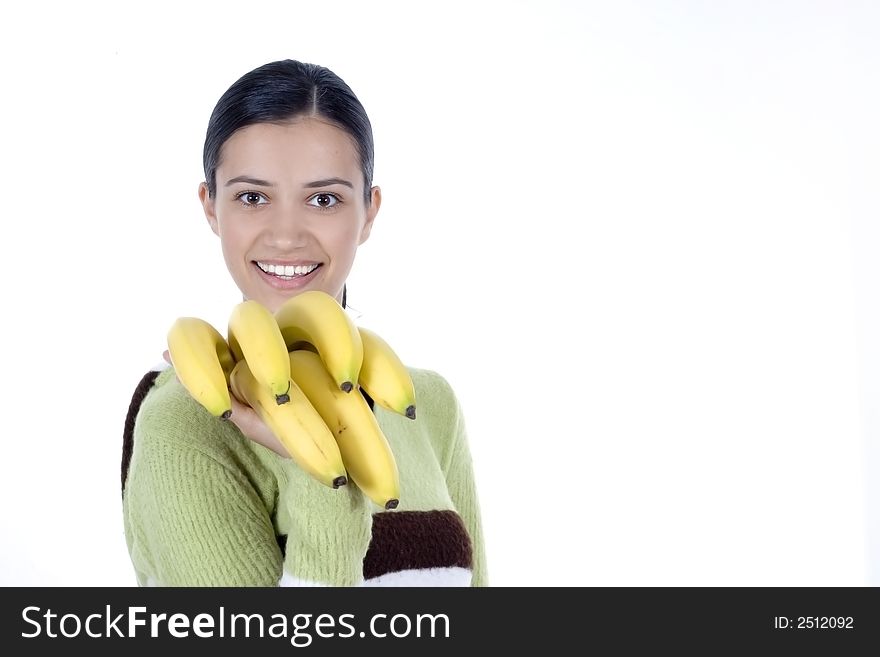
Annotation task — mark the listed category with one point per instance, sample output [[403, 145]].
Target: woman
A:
[[288, 189]]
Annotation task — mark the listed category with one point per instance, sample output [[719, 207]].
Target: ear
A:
[[372, 211], [208, 207]]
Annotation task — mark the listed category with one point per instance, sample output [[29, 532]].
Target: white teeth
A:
[[287, 271]]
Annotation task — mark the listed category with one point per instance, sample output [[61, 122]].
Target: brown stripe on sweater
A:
[[140, 393], [408, 540]]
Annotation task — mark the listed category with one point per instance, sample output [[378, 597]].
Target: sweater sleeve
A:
[[463, 492], [190, 518], [327, 531]]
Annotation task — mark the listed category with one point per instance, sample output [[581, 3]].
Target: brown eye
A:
[[252, 198], [324, 201]]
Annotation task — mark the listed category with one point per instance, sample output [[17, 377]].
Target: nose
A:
[[287, 231]]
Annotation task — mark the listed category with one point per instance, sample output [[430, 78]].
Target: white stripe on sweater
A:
[[431, 577], [424, 577], [290, 580]]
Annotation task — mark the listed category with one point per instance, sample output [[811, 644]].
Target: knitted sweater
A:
[[205, 506]]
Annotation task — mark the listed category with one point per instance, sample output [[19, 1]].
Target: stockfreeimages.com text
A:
[[300, 629]]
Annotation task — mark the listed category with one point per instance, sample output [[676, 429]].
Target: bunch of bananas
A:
[[301, 369]]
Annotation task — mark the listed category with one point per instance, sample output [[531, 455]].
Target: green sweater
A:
[[205, 506]]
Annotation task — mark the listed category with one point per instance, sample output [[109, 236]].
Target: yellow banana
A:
[[254, 336], [384, 377], [296, 424], [317, 318], [202, 362], [365, 450]]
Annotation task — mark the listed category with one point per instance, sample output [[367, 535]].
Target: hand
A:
[[249, 423]]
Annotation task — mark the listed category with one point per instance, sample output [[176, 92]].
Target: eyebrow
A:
[[327, 182], [249, 180]]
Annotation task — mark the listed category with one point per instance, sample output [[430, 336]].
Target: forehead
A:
[[302, 145]]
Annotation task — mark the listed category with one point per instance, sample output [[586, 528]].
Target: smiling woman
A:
[[287, 210], [288, 189]]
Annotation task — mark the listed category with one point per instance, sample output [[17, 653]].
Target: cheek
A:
[[342, 241], [233, 236]]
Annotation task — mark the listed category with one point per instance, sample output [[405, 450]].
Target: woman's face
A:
[[289, 208]]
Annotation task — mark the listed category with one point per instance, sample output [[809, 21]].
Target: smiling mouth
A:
[[287, 272]]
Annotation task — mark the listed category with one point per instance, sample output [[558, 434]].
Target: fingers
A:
[[167, 357], [253, 428]]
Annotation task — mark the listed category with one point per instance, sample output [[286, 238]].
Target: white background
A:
[[638, 238]]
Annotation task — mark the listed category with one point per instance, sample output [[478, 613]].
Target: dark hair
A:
[[282, 91]]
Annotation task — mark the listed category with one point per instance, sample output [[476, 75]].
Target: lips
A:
[[286, 269], [285, 282]]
